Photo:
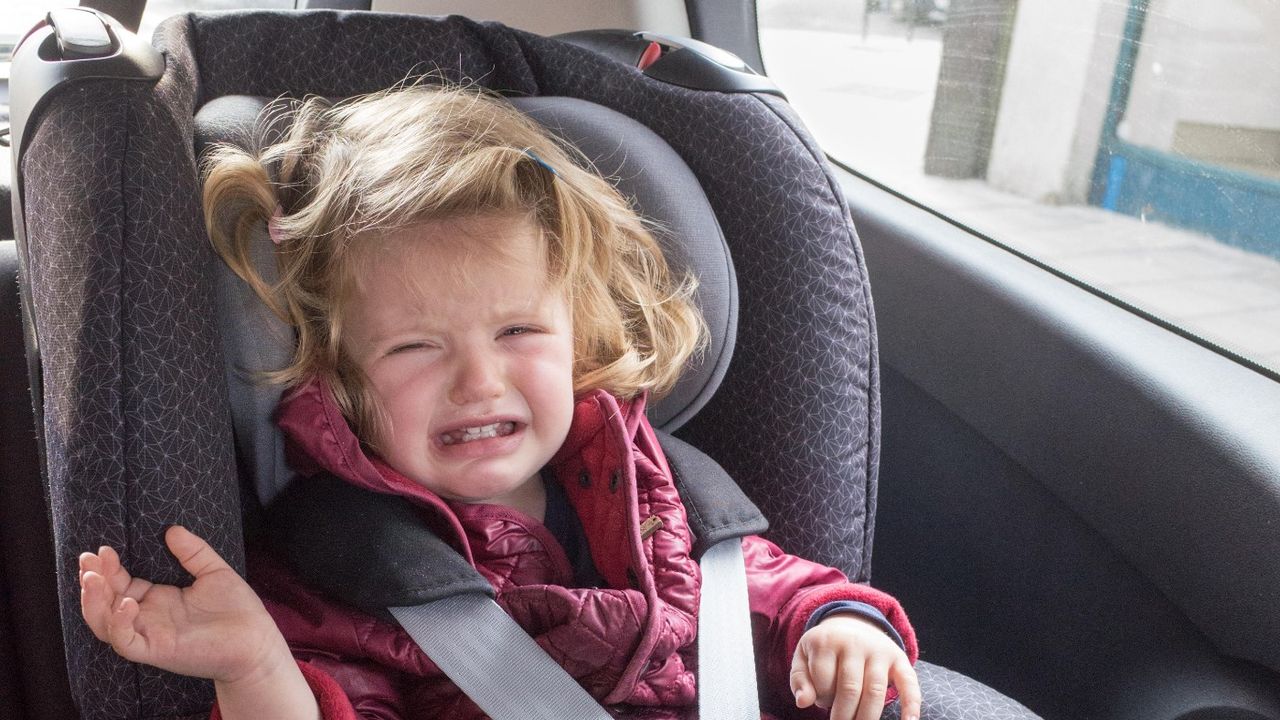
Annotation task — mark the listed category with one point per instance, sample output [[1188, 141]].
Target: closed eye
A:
[[517, 330], [407, 347]]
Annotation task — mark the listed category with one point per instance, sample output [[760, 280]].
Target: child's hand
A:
[[847, 664], [217, 628]]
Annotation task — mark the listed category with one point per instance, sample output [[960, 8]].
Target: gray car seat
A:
[[142, 343]]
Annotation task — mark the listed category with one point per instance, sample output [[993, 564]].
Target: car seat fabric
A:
[[950, 695], [136, 415], [136, 437]]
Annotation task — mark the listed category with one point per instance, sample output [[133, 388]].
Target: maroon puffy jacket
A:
[[630, 644]]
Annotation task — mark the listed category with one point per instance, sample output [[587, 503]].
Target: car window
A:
[[1132, 145], [19, 17]]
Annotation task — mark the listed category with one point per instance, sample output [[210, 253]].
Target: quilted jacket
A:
[[630, 643]]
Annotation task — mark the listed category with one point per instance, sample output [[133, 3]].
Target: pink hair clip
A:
[[273, 225]]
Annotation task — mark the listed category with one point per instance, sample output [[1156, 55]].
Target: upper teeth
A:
[[477, 433]]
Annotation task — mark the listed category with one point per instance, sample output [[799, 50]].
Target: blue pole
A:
[[1101, 190]]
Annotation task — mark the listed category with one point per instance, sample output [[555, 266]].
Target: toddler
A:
[[480, 320]]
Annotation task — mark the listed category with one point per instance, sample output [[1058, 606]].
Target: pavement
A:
[[868, 98]]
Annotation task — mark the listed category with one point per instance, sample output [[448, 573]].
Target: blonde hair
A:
[[380, 162]]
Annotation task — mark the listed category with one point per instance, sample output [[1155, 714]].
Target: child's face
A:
[[468, 352]]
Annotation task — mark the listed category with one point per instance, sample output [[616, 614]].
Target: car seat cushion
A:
[[136, 437]]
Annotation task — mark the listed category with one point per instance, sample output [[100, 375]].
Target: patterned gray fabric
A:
[[947, 695], [135, 411], [804, 374]]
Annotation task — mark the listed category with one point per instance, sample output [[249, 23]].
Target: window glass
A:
[[1132, 144], [20, 16]]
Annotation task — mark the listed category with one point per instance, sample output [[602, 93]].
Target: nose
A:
[[478, 377]]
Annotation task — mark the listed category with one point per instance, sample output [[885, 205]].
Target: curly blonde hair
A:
[[376, 163]]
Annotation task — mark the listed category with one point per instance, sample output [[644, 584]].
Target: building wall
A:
[[1057, 81], [1206, 83]]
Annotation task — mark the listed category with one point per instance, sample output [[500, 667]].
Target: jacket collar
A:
[[319, 439]]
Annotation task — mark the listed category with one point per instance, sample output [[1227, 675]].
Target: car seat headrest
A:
[[644, 168]]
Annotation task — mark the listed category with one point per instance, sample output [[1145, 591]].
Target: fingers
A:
[[122, 632], [813, 676], [193, 552], [106, 563], [114, 573], [847, 689], [801, 685], [96, 601], [111, 621], [875, 687], [904, 679]]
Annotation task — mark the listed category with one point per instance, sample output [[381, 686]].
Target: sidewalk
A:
[[869, 103]]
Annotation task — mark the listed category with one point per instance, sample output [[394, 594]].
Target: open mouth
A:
[[479, 432]]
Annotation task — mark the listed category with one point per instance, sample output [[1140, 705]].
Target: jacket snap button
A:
[[614, 479], [584, 479]]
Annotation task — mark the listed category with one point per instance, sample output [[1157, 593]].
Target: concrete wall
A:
[[1215, 65], [1206, 84], [1057, 81]]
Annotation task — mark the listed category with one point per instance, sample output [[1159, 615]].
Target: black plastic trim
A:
[[702, 66], [728, 24], [38, 71], [128, 13], [685, 62], [334, 4]]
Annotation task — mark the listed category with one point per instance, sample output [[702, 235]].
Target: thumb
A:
[[193, 552], [801, 687]]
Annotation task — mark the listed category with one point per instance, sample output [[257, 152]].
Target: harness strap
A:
[[726, 657], [352, 543], [494, 661], [504, 671]]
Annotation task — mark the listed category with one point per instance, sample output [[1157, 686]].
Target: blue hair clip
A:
[[534, 157]]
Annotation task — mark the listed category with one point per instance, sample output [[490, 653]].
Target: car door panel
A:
[[1115, 483]]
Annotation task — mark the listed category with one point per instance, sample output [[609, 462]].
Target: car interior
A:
[[1076, 505]]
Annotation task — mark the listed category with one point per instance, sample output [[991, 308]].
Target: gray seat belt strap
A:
[[726, 655], [495, 662], [504, 671]]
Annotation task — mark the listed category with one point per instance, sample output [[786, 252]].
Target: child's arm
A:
[[785, 592], [847, 663], [216, 628]]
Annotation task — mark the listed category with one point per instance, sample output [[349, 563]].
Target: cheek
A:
[[403, 398], [547, 377]]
